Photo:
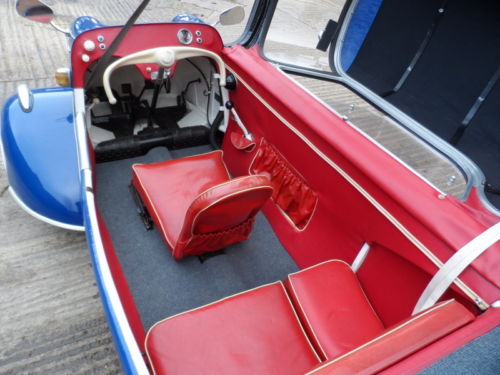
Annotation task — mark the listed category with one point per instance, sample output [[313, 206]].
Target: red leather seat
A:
[[345, 329], [258, 332], [255, 332], [333, 308], [195, 204]]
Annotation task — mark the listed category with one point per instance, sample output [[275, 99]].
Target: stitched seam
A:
[[227, 182], [307, 319], [300, 324], [222, 198]]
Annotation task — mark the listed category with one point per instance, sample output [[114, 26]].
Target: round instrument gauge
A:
[[185, 36]]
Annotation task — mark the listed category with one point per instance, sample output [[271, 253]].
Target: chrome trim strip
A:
[[360, 258], [414, 240], [25, 97], [101, 264], [45, 219]]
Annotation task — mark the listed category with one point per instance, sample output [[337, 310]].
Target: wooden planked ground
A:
[[51, 318]]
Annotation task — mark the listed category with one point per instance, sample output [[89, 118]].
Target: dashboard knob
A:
[[165, 58], [85, 58], [89, 45]]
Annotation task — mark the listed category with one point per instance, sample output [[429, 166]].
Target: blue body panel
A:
[[361, 22], [41, 155], [187, 18], [82, 24]]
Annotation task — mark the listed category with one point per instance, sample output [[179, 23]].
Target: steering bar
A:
[[164, 57]]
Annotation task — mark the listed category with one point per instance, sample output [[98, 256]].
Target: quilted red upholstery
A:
[[399, 341], [255, 332], [333, 308], [196, 206]]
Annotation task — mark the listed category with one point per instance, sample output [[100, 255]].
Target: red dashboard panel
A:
[[138, 38]]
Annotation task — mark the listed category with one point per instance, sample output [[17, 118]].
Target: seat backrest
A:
[[225, 206]]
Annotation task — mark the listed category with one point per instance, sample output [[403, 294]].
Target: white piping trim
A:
[[299, 323], [194, 222], [319, 264], [224, 299], [378, 338], [360, 258], [415, 241], [225, 197], [457, 263], [306, 317], [45, 219]]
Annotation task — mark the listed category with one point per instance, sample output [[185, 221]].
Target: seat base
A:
[[255, 332]]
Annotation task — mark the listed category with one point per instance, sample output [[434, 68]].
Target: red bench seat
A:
[[259, 331]]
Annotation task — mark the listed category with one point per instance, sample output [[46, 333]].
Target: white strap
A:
[[455, 266]]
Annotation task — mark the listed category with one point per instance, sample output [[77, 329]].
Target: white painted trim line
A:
[[45, 219], [360, 258], [457, 263]]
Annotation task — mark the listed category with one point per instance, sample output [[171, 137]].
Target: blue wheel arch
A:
[[40, 155]]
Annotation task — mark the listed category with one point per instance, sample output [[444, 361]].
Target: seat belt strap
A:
[[455, 266], [105, 59]]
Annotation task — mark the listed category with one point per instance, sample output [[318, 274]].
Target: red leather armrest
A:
[[399, 341]]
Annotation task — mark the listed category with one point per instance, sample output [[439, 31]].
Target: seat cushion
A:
[[168, 188], [333, 308], [255, 332]]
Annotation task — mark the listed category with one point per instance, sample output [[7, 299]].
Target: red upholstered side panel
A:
[[399, 342], [385, 277], [291, 192], [256, 332], [333, 308], [362, 191]]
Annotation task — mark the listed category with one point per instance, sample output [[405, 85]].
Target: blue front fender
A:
[[41, 156]]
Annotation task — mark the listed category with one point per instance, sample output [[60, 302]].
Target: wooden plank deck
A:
[[51, 318]]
